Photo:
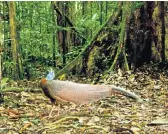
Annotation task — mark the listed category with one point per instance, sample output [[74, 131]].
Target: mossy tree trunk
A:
[[158, 42], [54, 35], [17, 69], [1, 41], [126, 12]]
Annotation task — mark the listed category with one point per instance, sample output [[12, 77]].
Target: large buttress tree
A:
[[134, 35]]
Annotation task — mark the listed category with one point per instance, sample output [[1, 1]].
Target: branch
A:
[[68, 20]]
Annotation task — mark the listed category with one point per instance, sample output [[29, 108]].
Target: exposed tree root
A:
[[18, 89], [52, 127]]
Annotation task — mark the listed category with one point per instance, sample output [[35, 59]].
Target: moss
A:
[[93, 56], [62, 77], [166, 38]]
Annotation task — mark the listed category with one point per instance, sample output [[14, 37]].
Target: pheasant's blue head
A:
[[50, 75]]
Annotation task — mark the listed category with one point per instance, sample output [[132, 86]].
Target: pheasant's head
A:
[[50, 75]]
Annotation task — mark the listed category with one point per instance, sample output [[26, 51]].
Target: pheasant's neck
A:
[[43, 81]]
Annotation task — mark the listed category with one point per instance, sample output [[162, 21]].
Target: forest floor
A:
[[27, 112]]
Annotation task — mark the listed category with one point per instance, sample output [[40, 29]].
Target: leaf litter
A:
[[27, 112]]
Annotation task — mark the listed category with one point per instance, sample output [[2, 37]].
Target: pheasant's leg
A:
[[58, 109], [53, 106]]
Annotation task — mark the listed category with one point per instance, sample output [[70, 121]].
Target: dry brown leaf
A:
[[93, 120], [30, 114], [26, 125], [13, 114], [82, 120], [25, 94], [136, 130]]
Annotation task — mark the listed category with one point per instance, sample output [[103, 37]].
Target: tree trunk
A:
[[166, 27], [16, 61], [158, 42], [127, 7], [53, 36], [62, 33], [1, 41], [146, 39]]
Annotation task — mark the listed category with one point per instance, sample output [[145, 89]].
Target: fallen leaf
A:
[[136, 130], [25, 94], [93, 120], [159, 122], [26, 125], [82, 120], [13, 114], [2, 108]]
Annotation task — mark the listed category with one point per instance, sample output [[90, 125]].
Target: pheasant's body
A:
[[80, 93]]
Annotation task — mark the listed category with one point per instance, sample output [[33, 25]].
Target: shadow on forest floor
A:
[[27, 112]]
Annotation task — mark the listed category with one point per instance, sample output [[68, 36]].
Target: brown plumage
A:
[[80, 93], [46, 90]]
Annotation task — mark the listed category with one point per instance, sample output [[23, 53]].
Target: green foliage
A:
[[138, 4], [3, 83], [36, 27], [91, 20], [8, 65], [73, 53]]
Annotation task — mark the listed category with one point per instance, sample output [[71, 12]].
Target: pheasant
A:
[[67, 91]]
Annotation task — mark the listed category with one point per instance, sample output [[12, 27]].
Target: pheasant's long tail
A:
[[126, 93]]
